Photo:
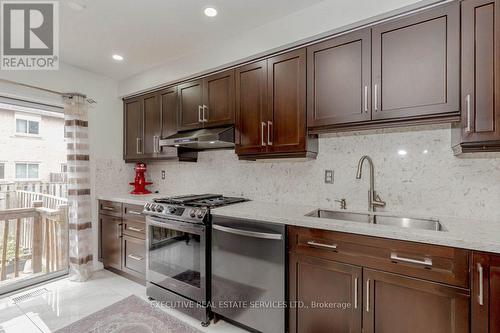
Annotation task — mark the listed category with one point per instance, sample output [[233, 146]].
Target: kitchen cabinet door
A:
[[190, 105], [111, 241], [416, 64], [331, 295], [485, 293], [218, 99], [134, 256], [339, 80], [152, 124], [395, 303], [286, 120], [480, 128], [132, 129], [251, 108]]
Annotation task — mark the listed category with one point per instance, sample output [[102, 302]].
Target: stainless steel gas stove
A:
[[178, 260]]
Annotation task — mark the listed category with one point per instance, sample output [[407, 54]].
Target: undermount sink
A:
[[402, 222]]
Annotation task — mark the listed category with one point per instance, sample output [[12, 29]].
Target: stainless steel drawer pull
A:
[[247, 233], [132, 256], [326, 246], [134, 212], [468, 115], [480, 297], [262, 125], [205, 119], [356, 293], [269, 124], [368, 295], [135, 229], [200, 119], [107, 208], [425, 262]]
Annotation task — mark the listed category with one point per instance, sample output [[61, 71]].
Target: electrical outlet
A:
[[328, 176], [163, 174]]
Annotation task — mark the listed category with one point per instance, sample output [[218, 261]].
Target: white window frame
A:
[[28, 118], [26, 179]]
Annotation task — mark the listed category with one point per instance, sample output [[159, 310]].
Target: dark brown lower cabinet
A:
[[111, 238], [395, 304], [330, 292], [485, 271], [134, 256]]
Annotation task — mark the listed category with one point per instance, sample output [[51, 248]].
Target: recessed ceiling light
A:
[[75, 5], [210, 11], [117, 57], [402, 152]]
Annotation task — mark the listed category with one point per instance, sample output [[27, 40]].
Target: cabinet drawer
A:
[[429, 262], [134, 229], [133, 212], [134, 256], [110, 208]]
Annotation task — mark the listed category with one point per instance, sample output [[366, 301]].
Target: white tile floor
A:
[[66, 302]]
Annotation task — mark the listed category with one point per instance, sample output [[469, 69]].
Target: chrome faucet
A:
[[373, 198]]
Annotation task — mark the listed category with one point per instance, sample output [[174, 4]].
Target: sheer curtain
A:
[[79, 202]]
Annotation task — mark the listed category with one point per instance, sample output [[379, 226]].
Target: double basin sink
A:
[[402, 222]]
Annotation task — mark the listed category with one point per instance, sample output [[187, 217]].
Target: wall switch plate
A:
[[328, 176], [163, 174]]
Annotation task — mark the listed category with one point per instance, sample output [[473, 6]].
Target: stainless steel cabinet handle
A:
[[133, 212], [119, 230], [326, 246], [356, 293], [366, 99], [200, 119], [269, 124], [107, 208], [425, 262], [139, 146], [375, 97], [480, 297], [133, 256], [205, 119], [248, 233], [368, 295], [155, 144], [135, 229], [468, 115], [262, 125]]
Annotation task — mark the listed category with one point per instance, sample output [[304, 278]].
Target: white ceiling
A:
[[149, 33]]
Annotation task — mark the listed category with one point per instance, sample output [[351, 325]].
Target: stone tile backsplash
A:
[[415, 172]]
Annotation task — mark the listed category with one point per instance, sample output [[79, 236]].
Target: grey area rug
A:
[[130, 315]]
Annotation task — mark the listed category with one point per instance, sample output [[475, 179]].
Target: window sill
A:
[[32, 136]]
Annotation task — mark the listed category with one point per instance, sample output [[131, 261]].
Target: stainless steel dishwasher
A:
[[248, 273]]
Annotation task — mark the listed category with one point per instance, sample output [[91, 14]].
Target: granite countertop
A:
[[461, 233]]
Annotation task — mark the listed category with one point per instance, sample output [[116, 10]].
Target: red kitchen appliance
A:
[[140, 182]]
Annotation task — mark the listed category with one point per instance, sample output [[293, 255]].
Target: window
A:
[[64, 168], [27, 124], [27, 171], [2, 171]]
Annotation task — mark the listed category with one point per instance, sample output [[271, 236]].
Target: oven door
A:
[[176, 257]]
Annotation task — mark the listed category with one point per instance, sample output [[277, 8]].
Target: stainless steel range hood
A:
[[206, 138]]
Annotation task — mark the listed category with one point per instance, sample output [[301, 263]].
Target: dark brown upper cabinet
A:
[[207, 102], [132, 129], [480, 127], [251, 108], [416, 65], [169, 111], [485, 292], [152, 124], [339, 80], [218, 99], [271, 108], [395, 303], [190, 105]]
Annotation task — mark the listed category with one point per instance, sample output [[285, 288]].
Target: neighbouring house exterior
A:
[[32, 145]]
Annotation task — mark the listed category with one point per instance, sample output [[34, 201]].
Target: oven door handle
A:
[[247, 233], [177, 225]]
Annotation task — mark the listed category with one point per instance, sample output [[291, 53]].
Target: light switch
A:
[[328, 176], [163, 174]]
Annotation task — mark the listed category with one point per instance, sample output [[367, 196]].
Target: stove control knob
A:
[[199, 214], [192, 213], [171, 209], [147, 206], [159, 208]]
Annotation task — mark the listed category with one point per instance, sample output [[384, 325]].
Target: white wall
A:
[[317, 19], [105, 117]]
